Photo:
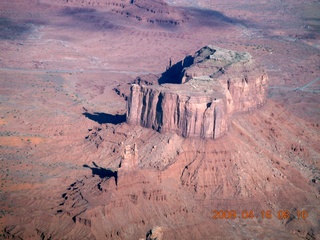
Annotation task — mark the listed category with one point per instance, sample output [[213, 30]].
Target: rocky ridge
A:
[[212, 85], [142, 11]]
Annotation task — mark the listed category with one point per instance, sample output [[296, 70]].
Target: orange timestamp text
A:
[[264, 214]]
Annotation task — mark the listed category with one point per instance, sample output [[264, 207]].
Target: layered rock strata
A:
[[216, 84]]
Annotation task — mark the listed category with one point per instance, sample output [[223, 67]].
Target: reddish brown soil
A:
[[59, 64]]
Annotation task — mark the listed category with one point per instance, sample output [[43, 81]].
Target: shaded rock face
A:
[[155, 233], [217, 84], [167, 111]]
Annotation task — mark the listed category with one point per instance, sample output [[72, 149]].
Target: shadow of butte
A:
[[105, 117]]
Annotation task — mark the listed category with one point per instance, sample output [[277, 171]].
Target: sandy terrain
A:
[[63, 130]]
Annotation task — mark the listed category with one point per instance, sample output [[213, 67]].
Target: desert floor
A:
[[63, 130]]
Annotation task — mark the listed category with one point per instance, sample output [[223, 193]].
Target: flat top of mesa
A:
[[208, 68]]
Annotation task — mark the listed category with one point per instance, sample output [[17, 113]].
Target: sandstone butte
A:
[[197, 96]]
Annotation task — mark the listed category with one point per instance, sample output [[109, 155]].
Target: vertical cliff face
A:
[[235, 74], [185, 114], [217, 84]]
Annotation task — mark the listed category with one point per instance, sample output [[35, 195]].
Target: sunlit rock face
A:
[[199, 99]]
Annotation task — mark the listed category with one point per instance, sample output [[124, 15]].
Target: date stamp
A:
[[264, 214]]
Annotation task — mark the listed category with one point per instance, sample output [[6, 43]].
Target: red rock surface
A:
[[63, 133], [199, 94]]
